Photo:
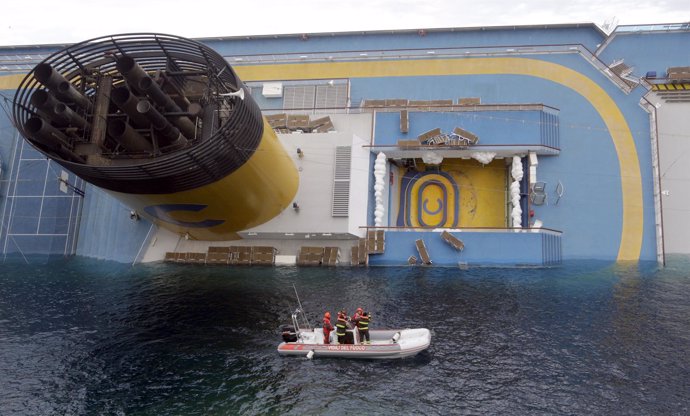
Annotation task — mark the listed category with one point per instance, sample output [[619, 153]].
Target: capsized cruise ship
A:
[[460, 147]]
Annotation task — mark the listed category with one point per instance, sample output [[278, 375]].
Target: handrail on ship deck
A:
[[466, 229], [438, 53]]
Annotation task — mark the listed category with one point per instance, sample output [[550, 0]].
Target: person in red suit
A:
[[327, 327], [356, 316]]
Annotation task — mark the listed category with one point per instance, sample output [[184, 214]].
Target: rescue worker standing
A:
[[356, 316], [327, 328], [341, 326], [363, 328]]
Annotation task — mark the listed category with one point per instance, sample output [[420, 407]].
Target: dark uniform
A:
[[363, 328], [340, 328]]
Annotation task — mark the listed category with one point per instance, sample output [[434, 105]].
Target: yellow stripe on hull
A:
[[256, 192], [11, 82]]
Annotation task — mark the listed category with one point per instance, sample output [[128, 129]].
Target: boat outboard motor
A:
[[350, 336], [289, 333]]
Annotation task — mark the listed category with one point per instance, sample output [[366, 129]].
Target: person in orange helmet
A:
[[327, 328], [363, 328], [356, 316], [341, 326]]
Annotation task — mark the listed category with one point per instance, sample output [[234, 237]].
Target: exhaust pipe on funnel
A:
[[45, 102], [65, 113], [128, 137], [65, 91], [127, 102], [139, 79], [169, 133], [51, 138]]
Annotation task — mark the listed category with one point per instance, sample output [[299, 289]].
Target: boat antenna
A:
[[301, 310]]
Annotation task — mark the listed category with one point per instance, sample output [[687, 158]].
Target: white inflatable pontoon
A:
[[385, 343]]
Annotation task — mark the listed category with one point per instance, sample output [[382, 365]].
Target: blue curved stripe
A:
[[406, 184], [440, 204], [422, 204]]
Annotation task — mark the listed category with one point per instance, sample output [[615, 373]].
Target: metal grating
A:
[[299, 97], [331, 96], [341, 182]]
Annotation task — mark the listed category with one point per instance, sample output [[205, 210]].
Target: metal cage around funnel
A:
[[139, 113]]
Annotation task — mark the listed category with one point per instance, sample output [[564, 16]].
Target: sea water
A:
[[88, 337]]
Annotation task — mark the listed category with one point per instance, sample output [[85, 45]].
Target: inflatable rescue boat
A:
[[384, 344]]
